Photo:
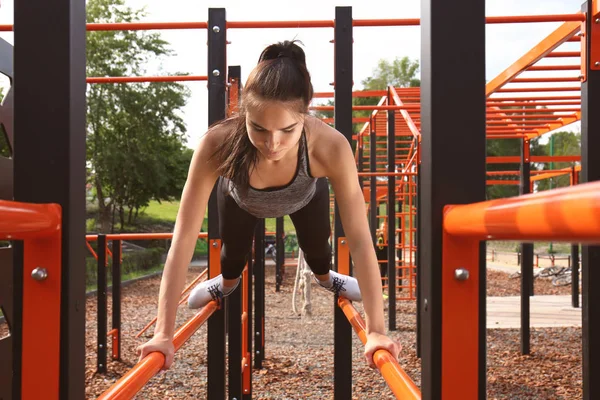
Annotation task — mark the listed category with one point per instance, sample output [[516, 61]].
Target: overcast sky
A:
[[505, 43]]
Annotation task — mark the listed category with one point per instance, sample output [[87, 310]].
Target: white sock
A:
[[326, 284], [229, 289]]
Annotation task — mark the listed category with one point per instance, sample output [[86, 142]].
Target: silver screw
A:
[[461, 274], [597, 63], [100, 366], [101, 345], [343, 242], [215, 244], [597, 20], [257, 351], [39, 274], [425, 304], [257, 333], [216, 29], [216, 72]]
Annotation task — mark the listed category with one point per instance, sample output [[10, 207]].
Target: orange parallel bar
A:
[[567, 214], [554, 68], [132, 79], [139, 236], [517, 159], [20, 221], [542, 80], [546, 46], [397, 379], [564, 54], [526, 98], [142, 26], [135, 379], [544, 89], [492, 182], [531, 104], [358, 93]]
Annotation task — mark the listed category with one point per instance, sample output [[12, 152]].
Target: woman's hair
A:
[[280, 76]]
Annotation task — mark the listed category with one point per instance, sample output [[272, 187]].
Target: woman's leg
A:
[[313, 229], [236, 228]]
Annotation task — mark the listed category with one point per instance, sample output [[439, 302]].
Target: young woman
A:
[[270, 160]]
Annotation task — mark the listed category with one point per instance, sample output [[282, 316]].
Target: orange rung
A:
[[135, 379], [134, 79]]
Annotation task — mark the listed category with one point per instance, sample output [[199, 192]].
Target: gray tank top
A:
[[274, 202]]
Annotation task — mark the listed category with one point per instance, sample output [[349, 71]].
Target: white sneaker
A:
[[342, 285], [207, 291]]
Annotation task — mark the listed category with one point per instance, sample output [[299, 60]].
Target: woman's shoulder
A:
[[325, 144]]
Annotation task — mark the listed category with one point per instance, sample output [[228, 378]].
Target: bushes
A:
[[135, 263]]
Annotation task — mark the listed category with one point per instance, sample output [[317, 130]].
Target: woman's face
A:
[[274, 130]]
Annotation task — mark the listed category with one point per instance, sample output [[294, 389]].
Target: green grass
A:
[[128, 276], [165, 211]]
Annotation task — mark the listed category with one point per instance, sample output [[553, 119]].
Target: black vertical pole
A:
[[234, 316], [590, 171], [51, 168], [259, 294], [279, 233], [418, 256], [249, 332], [343, 123], [526, 254], [446, 89], [391, 218], [101, 305], [116, 295], [575, 275], [217, 62], [373, 181]]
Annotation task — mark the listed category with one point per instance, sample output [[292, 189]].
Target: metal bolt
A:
[[257, 351], [597, 64], [246, 391], [597, 20], [343, 242], [235, 398], [216, 72], [101, 345], [245, 365], [425, 304], [461, 274], [216, 29], [215, 244], [257, 333], [39, 274], [100, 366]]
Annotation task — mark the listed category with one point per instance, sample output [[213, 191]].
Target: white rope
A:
[[302, 283]]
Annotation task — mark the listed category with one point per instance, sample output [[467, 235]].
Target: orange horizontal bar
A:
[[139, 236], [142, 26], [491, 182], [541, 80], [527, 98], [554, 68], [397, 379], [368, 108], [135, 379], [358, 93], [387, 22], [540, 159], [546, 89], [536, 18], [530, 104], [20, 221], [564, 54], [129, 79], [280, 24], [569, 214]]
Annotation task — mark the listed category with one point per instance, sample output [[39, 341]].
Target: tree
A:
[[565, 144], [135, 146]]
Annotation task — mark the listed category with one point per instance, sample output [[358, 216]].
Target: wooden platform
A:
[[546, 311]]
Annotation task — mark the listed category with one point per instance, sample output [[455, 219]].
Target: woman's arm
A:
[[198, 187], [336, 161]]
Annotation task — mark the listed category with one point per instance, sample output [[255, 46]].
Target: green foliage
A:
[[136, 150], [133, 263], [565, 144]]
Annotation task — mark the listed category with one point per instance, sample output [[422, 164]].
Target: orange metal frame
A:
[[39, 226]]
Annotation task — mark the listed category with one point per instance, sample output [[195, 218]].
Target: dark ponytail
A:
[[281, 76]]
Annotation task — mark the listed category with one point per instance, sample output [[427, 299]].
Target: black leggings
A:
[[236, 228]]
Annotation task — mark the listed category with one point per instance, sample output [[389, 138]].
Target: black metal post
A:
[[116, 296], [446, 89], [50, 168], [249, 332], [343, 123], [575, 275], [101, 305], [234, 316], [373, 181], [280, 259], [418, 256], [590, 171], [391, 219], [217, 62], [526, 254], [259, 294]]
